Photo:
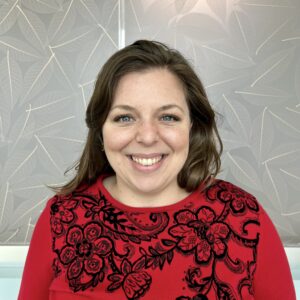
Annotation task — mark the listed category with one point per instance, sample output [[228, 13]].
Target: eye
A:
[[123, 118], [170, 118]]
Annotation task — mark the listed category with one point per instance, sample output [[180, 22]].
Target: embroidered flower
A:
[[201, 233], [84, 252], [134, 281], [238, 198], [62, 213], [93, 205]]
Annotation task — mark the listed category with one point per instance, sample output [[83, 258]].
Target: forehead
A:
[[154, 87]]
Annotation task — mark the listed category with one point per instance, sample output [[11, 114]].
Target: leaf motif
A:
[[114, 286], [134, 239], [170, 256], [19, 50], [42, 7], [126, 266], [29, 208], [168, 243], [231, 140], [153, 251], [8, 16], [6, 206], [284, 154], [20, 165], [36, 78], [62, 22], [262, 95], [241, 33], [182, 7], [262, 136], [272, 68], [89, 10], [297, 79], [142, 251], [11, 80], [75, 39], [243, 172], [275, 188], [200, 27], [33, 28], [139, 264], [219, 7], [227, 55], [237, 117]]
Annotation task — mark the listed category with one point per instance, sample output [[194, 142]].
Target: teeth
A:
[[146, 161]]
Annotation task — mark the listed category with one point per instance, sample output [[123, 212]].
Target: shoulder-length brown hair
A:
[[205, 147]]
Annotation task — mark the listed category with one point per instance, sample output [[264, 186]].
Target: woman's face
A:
[[146, 133]]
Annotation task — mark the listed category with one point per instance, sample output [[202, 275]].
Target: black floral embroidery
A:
[[200, 233], [117, 248], [238, 199], [84, 254], [133, 279], [62, 212]]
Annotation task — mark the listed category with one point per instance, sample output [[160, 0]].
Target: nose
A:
[[147, 133]]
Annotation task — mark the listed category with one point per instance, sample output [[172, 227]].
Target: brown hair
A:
[[205, 147]]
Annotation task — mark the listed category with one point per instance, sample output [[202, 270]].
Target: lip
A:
[[147, 169], [143, 155]]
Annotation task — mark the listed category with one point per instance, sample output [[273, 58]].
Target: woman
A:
[[145, 216]]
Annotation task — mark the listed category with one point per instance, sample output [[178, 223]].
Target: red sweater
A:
[[214, 244]]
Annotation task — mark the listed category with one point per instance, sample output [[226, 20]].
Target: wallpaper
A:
[[246, 53]]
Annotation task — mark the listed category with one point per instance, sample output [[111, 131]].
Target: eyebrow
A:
[[162, 108]]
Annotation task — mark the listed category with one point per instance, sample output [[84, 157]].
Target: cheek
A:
[[177, 139], [116, 139]]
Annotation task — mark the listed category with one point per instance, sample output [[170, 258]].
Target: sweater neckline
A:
[[197, 194]]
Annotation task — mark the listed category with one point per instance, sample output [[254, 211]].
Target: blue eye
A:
[[170, 118], [123, 118]]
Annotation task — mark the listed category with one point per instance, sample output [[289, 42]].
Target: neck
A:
[[136, 198]]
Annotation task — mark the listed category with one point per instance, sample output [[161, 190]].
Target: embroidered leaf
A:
[[161, 261], [114, 286], [170, 256], [142, 251], [124, 237], [134, 239], [87, 204], [125, 267], [101, 276], [252, 204], [88, 214], [168, 243], [246, 242], [225, 292], [116, 277], [153, 251], [139, 264], [149, 262]]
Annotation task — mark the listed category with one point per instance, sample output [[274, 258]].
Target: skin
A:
[[149, 117]]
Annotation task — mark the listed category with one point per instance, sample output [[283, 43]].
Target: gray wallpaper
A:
[[246, 52]]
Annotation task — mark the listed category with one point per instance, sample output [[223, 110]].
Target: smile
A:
[[147, 161]]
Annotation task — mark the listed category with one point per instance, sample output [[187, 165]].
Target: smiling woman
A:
[[145, 216], [146, 138]]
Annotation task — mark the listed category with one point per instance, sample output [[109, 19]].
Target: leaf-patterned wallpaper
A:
[[245, 51]]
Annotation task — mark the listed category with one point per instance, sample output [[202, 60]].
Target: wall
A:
[[246, 53]]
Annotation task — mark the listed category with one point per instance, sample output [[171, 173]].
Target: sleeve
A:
[[37, 273], [272, 278]]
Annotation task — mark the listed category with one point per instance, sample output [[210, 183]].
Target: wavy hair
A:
[[205, 145]]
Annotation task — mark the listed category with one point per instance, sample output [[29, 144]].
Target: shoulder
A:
[[238, 199], [66, 210]]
